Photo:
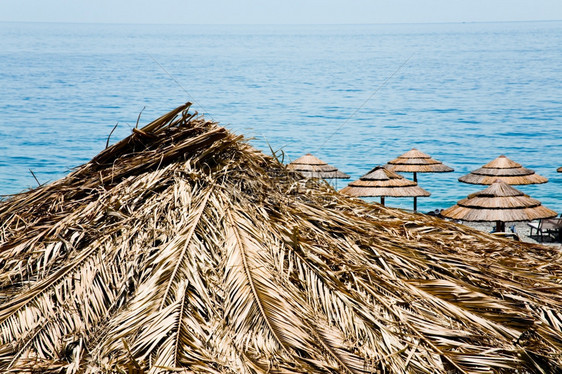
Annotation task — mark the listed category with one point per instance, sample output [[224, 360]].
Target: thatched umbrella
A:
[[559, 169], [312, 167], [498, 203], [184, 249], [415, 161], [383, 182], [505, 169]]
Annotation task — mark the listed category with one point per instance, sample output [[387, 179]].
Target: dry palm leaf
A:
[[182, 248]]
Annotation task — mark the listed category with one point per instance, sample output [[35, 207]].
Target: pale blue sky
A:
[[278, 12]]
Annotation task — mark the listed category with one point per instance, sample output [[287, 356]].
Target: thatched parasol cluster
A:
[[184, 249], [504, 169], [310, 166], [383, 182], [415, 161], [500, 203]]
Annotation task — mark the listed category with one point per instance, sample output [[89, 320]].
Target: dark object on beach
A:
[[498, 203], [415, 161], [505, 169], [184, 249], [383, 182], [312, 167], [435, 213]]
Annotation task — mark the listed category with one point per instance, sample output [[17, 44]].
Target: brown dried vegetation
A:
[[183, 249]]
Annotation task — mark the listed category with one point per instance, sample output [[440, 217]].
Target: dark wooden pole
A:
[[415, 198], [382, 200], [500, 226]]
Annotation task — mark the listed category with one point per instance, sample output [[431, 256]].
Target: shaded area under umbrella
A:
[[505, 169], [312, 167], [498, 203], [383, 182], [415, 161]]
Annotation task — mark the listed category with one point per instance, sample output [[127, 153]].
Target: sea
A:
[[356, 96]]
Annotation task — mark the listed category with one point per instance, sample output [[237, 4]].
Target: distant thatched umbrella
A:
[[498, 203], [505, 169], [415, 161], [559, 169], [312, 167], [383, 182]]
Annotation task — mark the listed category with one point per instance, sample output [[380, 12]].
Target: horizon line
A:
[[280, 24]]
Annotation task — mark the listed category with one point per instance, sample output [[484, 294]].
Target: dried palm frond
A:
[[182, 248]]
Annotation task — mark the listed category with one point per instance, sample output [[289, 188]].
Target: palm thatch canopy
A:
[[312, 167], [505, 169], [415, 161], [499, 202], [184, 249], [383, 182], [559, 169]]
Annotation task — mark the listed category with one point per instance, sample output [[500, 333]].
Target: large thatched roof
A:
[[416, 161], [311, 166], [380, 181], [498, 202], [505, 169], [184, 248]]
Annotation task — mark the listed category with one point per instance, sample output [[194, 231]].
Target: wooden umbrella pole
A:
[[500, 226], [382, 200], [415, 198]]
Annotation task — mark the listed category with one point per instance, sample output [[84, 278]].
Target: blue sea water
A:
[[463, 93]]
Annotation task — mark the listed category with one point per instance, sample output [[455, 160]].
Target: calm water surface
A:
[[467, 93]]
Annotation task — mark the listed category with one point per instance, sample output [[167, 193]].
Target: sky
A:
[[278, 12]]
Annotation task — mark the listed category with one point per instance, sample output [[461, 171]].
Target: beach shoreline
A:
[[522, 230]]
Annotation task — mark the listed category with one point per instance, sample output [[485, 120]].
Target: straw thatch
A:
[[383, 182], [312, 167], [505, 169], [183, 249], [499, 202], [559, 169], [415, 161]]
